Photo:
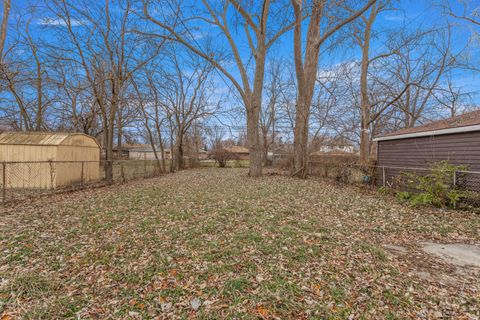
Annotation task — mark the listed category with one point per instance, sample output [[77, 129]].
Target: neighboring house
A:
[[147, 153], [455, 139], [123, 152], [201, 154], [48, 159], [337, 149], [241, 153], [336, 145], [4, 128]]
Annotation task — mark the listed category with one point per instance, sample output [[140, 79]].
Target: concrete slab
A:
[[437, 277], [457, 254]]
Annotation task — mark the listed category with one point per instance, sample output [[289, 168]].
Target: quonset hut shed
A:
[[48, 159]]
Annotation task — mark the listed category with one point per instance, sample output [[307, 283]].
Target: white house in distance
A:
[[147, 153], [334, 149], [336, 145]]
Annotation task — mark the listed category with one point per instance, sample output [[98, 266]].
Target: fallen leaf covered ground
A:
[[215, 244]]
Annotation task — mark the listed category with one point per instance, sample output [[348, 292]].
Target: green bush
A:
[[435, 188], [403, 195], [384, 190], [423, 198], [454, 196]]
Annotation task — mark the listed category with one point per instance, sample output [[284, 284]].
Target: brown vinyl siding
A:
[[420, 152]]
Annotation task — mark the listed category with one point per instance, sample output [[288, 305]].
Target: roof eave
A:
[[430, 133]]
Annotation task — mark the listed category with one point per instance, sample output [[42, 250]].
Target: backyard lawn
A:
[[212, 243]]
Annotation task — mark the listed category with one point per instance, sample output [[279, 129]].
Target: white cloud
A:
[[60, 22], [394, 17]]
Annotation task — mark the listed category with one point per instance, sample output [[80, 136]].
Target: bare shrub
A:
[[284, 162], [222, 155]]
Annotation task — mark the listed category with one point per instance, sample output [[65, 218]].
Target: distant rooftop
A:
[[237, 149]]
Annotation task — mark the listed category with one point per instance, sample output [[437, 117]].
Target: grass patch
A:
[[269, 247]]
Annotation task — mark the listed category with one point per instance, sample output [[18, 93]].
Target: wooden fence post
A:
[[52, 178]]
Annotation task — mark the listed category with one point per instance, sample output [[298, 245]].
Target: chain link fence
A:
[[399, 178], [20, 180]]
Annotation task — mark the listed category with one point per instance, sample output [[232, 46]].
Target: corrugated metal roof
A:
[[35, 138]]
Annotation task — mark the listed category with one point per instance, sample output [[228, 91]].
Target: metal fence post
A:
[[82, 180], [4, 181], [383, 176], [144, 164], [122, 172], [455, 178]]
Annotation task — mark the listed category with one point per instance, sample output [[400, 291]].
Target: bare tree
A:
[[306, 68], [253, 18], [453, 98], [26, 76], [268, 111], [4, 26], [186, 98], [107, 52], [371, 110], [418, 69], [142, 101], [154, 114], [468, 12]]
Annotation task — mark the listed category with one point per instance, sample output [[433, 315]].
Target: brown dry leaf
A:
[[313, 249], [264, 313]]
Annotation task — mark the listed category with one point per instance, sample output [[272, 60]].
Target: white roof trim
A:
[[430, 133]]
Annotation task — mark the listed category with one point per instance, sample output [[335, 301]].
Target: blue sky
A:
[[408, 13]]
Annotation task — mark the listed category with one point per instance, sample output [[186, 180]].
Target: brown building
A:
[[147, 153], [240, 153], [455, 139], [123, 151]]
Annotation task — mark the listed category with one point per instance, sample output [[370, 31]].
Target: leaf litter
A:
[[214, 243]]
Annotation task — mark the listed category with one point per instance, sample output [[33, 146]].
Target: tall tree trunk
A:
[[300, 141], [306, 69], [253, 113], [109, 153], [160, 141], [265, 146], [365, 102], [306, 75], [253, 140], [109, 128], [3, 30], [120, 129], [179, 163], [39, 115], [162, 154]]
